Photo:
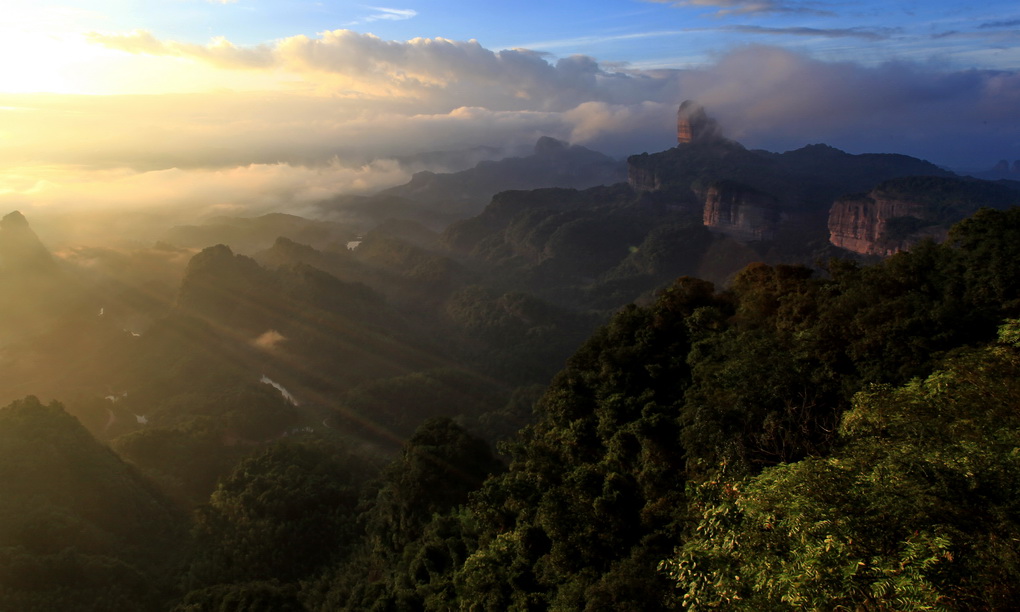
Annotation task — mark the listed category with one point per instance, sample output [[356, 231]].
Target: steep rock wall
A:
[[741, 212], [642, 178], [873, 224]]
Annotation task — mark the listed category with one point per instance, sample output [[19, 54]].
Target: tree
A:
[[282, 514], [917, 510]]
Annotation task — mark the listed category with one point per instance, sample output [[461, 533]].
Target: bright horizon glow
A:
[[70, 63]]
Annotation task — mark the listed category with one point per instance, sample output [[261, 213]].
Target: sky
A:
[[229, 106]]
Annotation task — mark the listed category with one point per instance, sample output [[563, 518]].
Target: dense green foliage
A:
[[688, 398], [917, 509], [280, 515], [79, 529], [795, 440]]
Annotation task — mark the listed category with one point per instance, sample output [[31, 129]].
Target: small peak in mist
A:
[[547, 145], [13, 220]]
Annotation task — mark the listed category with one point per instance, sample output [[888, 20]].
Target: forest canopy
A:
[[798, 439]]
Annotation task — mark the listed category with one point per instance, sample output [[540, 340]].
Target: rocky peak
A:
[[20, 248], [548, 145], [13, 220], [219, 284], [694, 125], [1002, 170]]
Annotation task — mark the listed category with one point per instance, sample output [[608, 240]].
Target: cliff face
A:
[[875, 224], [741, 212], [900, 212], [643, 178]]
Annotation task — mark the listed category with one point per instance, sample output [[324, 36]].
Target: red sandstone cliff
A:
[[876, 224], [694, 125]]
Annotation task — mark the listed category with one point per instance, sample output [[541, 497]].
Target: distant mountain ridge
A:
[[707, 208], [251, 234], [436, 199], [803, 182], [803, 194]]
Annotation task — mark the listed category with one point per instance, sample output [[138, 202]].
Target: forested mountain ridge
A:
[[841, 438], [672, 404], [79, 528], [437, 199]]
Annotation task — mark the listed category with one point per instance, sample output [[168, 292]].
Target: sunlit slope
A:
[[55, 339]]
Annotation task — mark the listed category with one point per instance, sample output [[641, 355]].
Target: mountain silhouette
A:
[[436, 199]]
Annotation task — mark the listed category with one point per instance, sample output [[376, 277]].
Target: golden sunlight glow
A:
[[67, 62], [36, 64]]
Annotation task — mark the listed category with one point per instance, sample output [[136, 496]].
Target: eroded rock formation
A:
[[876, 224], [642, 178], [694, 125], [900, 212], [740, 212]]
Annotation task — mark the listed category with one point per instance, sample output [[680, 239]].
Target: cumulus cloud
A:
[[768, 96], [433, 72], [777, 99], [220, 52]]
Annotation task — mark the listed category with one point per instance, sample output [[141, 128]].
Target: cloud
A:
[[777, 99], [440, 91], [435, 73], [183, 195], [747, 7], [269, 340], [391, 14], [862, 33], [220, 52], [1008, 23]]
